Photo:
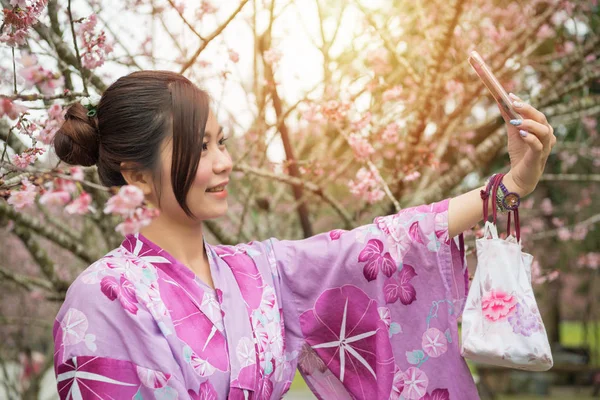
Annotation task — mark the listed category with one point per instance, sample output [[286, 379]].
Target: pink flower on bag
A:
[[498, 305]]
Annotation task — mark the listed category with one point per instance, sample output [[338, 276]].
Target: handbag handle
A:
[[492, 190]]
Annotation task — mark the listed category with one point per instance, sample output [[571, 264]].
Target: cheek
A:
[[203, 176]]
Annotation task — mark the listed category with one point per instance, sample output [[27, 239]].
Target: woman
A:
[[368, 313]]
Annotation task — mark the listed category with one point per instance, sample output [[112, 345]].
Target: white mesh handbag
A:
[[501, 323]]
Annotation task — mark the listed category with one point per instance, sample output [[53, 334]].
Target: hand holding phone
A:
[[492, 84]]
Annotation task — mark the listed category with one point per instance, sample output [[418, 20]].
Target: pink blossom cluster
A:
[[62, 191], [95, 45], [23, 198], [51, 124], [362, 122], [367, 186], [11, 109], [206, 8], [17, 21], [589, 260], [390, 134], [361, 146], [413, 176], [378, 61], [312, 113], [128, 203], [392, 94], [81, 205], [37, 76], [26, 158], [334, 110], [273, 56], [233, 56], [539, 277]]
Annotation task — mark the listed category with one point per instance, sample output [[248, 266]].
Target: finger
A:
[[527, 111], [533, 141], [542, 131]]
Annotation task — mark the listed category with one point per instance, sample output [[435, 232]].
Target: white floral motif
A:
[[246, 351]]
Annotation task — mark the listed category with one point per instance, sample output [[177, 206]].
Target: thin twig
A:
[[213, 35], [80, 65]]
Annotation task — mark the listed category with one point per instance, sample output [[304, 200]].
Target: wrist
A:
[[512, 186]]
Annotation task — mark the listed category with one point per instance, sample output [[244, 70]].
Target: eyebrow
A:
[[207, 134]]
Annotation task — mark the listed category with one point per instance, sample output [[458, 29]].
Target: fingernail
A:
[[518, 104], [523, 133], [513, 96], [516, 122]]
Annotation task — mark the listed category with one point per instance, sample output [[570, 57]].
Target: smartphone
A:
[[492, 84]]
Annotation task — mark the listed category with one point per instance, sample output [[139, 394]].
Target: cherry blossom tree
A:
[[340, 111]]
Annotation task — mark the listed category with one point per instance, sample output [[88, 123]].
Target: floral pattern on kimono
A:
[[366, 314]]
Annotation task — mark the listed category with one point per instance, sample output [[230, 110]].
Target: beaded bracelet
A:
[[505, 201]]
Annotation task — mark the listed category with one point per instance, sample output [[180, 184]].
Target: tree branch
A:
[[53, 235], [213, 35]]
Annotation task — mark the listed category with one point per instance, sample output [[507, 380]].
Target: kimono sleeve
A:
[[107, 345], [356, 301]]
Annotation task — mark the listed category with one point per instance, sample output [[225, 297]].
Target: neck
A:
[[183, 241]]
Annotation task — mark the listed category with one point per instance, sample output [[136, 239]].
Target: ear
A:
[[139, 178]]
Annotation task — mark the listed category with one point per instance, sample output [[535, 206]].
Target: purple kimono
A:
[[363, 314]]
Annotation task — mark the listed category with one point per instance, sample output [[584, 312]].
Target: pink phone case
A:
[[492, 84]]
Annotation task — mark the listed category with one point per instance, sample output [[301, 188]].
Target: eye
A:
[[222, 141], [204, 146]]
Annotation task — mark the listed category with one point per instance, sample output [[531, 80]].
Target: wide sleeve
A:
[[361, 305], [108, 345]]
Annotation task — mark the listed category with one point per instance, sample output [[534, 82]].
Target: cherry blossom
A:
[[362, 148], [272, 56], [125, 201], [23, 198], [55, 199], [95, 45], [81, 205], [10, 109], [35, 75]]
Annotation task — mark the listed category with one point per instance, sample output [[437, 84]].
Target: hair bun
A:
[[76, 142]]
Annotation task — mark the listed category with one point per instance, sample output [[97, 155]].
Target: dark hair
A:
[[134, 116]]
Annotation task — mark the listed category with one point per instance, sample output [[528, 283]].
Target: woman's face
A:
[[214, 169]]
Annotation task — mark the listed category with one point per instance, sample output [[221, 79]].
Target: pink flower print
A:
[[124, 291], [152, 379], [415, 232], [345, 330], [74, 325], [265, 388], [415, 383], [437, 394], [336, 234], [375, 260], [246, 274], [497, 305], [205, 392], [399, 287], [88, 376], [384, 314], [246, 351], [397, 384], [434, 342], [207, 344]]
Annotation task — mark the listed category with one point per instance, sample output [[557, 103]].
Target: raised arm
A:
[[530, 142]]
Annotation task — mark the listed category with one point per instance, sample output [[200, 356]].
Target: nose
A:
[[223, 163]]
